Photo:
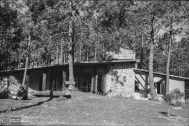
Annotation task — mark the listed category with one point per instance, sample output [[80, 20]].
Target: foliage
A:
[[100, 26], [179, 61], [10, 34], [173, 98]]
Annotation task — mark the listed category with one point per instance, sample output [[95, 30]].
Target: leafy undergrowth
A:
[[91, 109]]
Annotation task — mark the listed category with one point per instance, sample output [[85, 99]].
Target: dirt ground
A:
[[91, 109]]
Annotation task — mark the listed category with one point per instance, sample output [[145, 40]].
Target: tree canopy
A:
[[99, 27]]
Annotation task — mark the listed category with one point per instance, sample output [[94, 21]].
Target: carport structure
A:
[[175, 82]]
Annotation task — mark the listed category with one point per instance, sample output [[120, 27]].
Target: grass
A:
[[91, 109]]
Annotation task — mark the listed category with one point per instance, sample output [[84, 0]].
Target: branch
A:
[[141, 29], [57, 34]]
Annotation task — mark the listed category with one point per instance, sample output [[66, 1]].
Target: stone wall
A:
[[120, 80]]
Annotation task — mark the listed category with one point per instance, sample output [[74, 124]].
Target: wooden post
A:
[[92, 82], [146, 83], [96, 80], [44, 81], [81, 77], [53, 79]]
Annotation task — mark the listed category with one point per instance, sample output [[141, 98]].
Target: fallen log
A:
[[64, 93]]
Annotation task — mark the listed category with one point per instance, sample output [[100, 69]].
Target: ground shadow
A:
[[166, 114], [35, 104]]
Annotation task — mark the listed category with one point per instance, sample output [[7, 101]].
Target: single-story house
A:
[[114, 77]]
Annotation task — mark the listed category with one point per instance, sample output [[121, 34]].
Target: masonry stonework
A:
[[120, 80]]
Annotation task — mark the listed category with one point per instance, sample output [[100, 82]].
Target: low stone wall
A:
[[120, 80]]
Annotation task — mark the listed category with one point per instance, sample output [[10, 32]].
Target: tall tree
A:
[[172, 21], [147, 20]]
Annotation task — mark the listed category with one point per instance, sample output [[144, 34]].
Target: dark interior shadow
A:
[[19, 108], [165, 113]]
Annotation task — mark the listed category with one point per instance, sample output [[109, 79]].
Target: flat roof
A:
[[76, 63], [161, 74]]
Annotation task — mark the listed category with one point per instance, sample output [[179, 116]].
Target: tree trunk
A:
[[61, 53], [142, 54], [26, 66], [70, 53], [57, 58], [151, 76], [168, 60], [80, 52], [51, 93], [151, 57]]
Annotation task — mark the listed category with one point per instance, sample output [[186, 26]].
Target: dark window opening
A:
[[137, 86]]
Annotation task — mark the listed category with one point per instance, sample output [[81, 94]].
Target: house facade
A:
[[115, 77], [112, 77]]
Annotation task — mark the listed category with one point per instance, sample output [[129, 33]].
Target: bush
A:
[[173, 98]]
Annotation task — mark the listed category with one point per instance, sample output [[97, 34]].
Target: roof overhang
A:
[[75, 64], [160, 74]]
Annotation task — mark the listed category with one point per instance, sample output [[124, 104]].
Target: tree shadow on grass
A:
[[19, 108], [35, 104], [166, 114]]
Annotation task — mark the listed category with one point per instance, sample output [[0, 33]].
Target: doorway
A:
[[86, 82], [100, 84]]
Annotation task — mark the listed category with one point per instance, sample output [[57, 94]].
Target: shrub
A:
[[172, 99]]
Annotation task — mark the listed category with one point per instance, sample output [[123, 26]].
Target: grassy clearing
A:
[[86, 108]]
